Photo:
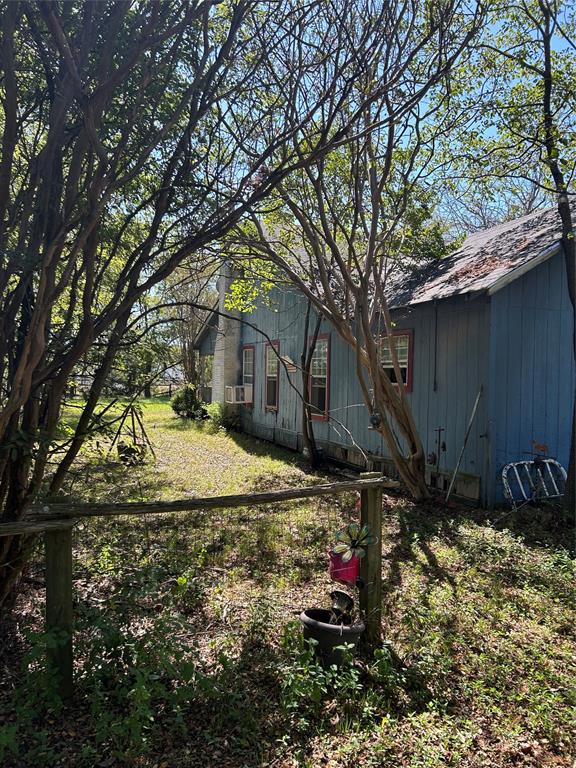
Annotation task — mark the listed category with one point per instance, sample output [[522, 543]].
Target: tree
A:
[[309, 343], [134, 134], [339, 228], [472, 206], [147, 351], [524, 107], [183, 292]]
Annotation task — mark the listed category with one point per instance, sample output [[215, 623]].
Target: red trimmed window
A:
[[319, 381], [248, 354], [272, 376], [403, 345]]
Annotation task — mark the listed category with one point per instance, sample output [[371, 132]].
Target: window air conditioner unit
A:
[[241, 394]]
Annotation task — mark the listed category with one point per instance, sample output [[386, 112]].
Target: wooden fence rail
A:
[[57, 520], [41, 516]]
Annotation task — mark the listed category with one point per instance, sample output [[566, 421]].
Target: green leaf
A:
[[347, 556], [353, 530], [343, 535], [365, 531]]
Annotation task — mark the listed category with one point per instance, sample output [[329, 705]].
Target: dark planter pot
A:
[[316, 625]]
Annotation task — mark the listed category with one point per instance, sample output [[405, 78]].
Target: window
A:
[[205, 366], [271, 363], [248, 374], [403, 345], [319, 379]]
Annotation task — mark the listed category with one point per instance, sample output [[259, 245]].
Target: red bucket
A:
[[345, 573]]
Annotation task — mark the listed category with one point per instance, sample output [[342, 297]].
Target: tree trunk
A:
[[570, 258], [392, 405], [411, 468], [308, 431], [305, 363], [551, 134], [570, 493]]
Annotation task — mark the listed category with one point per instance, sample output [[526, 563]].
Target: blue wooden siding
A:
[[516, 345], [531, 369], [450, 346], [451, 343], [208, 342]]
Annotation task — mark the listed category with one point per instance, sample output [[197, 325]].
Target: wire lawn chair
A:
[[533, 480]]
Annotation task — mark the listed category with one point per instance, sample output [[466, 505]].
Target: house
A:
[[495, 316]]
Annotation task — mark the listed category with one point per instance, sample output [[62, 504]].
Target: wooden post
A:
[[371, 564], [59, 617]]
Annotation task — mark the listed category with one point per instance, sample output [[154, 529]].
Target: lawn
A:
[[189, 652]]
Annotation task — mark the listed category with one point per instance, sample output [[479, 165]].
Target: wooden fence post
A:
[[58, 544], [371, 564]]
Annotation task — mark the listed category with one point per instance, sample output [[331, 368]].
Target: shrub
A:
[[223, 416], [307, 686], [130, 452], [187, 404]]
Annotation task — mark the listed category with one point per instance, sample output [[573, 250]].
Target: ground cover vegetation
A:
[[189, 654]]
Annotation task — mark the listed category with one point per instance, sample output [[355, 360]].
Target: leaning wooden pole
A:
[[59, 613], [371, 564]]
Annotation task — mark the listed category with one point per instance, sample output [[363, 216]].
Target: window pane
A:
[[392, 374], [401, 343], [271, 391], [271, 377], [318, 396], [248, 362], [319, 378], [248, 366], [319, 364], [402, 348], [271, 362], [384, 351]]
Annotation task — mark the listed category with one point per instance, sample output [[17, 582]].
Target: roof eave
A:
[[465, 295], [206, 327]]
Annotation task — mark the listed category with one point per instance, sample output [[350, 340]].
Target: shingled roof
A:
[[486, 261]]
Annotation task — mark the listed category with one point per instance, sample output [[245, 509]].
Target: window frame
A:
[[276, 344], [253, 348], [409, 332], [320, 416]]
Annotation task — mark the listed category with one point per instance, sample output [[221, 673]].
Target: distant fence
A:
[[56, 521]]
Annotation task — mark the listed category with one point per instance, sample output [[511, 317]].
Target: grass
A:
[[189, 654], [192, 459]]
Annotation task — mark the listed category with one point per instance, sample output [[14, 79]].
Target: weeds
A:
[[187, 655]]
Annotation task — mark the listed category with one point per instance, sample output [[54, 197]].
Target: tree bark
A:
[[305, 363], [551, 136]]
